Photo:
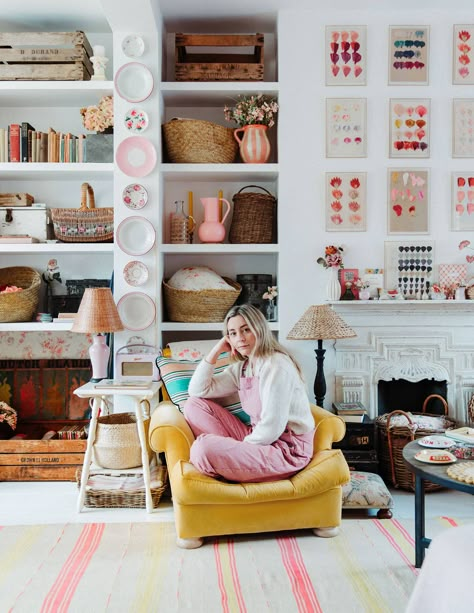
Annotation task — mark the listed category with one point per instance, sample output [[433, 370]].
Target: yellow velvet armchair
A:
[[204, 506]]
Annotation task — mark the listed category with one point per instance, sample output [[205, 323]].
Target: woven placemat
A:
[[462, 472]]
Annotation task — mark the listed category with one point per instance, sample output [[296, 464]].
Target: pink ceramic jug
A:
[[212, 229]]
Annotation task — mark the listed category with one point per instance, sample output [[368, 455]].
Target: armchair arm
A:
[[170, 432], [329, 428]]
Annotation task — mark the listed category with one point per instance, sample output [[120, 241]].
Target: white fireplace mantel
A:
[[440, 332]]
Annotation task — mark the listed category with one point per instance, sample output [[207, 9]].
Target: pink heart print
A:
[[460, 195], [335, 70], [459, 209], [470, 195], [346, 70], [470, 258], [470, 208], [357, 71]]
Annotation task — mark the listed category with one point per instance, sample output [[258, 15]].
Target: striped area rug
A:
[[137, 568]]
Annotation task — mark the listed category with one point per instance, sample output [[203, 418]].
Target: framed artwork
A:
[[408, 199], [409, 128], [374, 277], [463, 56], [452, 274], [463, 128], [462, 201], [349, 275], [409, 268], [346, 201], [346, 135], [408, 55], [345, 55]]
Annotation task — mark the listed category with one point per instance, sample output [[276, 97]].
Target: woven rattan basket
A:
[[19, 306], [254, 217], [125, 491], [206, 305], [117, 444], [194, 141], [393, 438], [86, 224]]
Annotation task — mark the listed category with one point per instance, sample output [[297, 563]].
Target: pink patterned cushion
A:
[[366, 491]]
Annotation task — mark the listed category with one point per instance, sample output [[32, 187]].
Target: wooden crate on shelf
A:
[[45, 56], [19, 199], [216, 66]]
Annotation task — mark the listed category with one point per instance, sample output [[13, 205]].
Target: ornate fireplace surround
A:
[[410, 340]]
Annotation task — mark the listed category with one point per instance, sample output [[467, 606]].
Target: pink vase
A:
[[254, 145], [212, 229]]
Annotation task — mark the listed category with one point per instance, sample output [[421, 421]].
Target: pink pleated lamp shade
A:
[[97, 312]]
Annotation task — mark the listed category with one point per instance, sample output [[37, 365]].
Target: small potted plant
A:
[[99, 147]]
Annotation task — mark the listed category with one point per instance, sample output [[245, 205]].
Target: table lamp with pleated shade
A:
[[320, 323], [98, 315]]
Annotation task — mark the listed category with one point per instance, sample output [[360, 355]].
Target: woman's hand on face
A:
[[221, 346]]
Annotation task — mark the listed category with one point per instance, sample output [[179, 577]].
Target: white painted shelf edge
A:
[[34, 326], [58, 248]]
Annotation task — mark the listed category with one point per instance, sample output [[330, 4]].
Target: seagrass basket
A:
[[19, 306], [254, 217], [396, 429], [117, 444], [205, 305], [195, 141], [85, 224]]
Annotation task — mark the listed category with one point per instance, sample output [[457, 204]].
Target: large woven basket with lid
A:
[[19, 306]]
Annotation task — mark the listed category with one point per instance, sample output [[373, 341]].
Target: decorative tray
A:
[[464, 434]]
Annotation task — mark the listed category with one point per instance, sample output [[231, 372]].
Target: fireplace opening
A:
[[400, 394]]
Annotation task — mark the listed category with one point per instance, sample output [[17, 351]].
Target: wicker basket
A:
[[194, 141], [393, 438], [86, 224], [19, 306], [117, 444], [206, 305], [254, 217], [470, 292], [122, 495]]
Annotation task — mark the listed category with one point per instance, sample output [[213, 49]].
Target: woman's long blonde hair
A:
[[265, 343]]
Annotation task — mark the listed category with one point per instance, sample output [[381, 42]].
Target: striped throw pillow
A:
[[176, 375]]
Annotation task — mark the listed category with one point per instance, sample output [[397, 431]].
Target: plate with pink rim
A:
[[135, 196], [134, 82], [136, 156], [135, 235], [137, 310], [135, 273], [435, 456], [436, 442], [136, 120]]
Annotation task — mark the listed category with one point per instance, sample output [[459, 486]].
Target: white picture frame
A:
[[408, 55], [463, 54], [345, 55], [408, 193], [409, 129], [346, 127], [400, 257], [463, 127], [462, 202], [346, 201]]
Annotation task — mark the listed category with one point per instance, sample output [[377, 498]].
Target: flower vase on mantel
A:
[[271, 311], [333, 288]]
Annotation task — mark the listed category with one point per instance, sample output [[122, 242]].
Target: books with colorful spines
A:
[[43, 152], [2, 145], [25, 127], [14, 142]]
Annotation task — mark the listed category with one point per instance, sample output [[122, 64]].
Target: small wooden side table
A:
[[99, 397]]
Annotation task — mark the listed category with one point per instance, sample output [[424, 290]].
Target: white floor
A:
[[56, 502]]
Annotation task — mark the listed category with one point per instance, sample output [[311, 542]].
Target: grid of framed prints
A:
[[409, 128], [463, 54], [409, 268], [346, 201], [462, 201], [463, 128], [345, 55], [408, 55], [408, 200], [346, 127]]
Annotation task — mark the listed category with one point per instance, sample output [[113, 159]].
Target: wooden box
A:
[[20, 199], [45, 56], [218, 66], [32, 459]]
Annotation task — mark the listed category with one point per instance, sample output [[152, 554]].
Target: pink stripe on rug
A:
[[62, 591], [220, 578], [236, 588], [301, 585], [235, 577], [404, 531], [450, 521], [378, 523]]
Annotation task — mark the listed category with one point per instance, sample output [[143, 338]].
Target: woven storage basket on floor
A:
[[393, 438], [101, 497], [194, 141], [86, 224], [254, 217], [117, 444], [205, 305], [19, 306]]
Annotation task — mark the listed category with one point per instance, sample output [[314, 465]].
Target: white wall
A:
[[303, 162]]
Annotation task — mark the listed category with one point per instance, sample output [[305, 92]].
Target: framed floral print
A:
[[463, 128], [346, 133], [345, 55], [346, 201], [408, 201], [463, 54], [408, 55], [462, 201], [409, 128]]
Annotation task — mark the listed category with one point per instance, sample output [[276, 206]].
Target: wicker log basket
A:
[[194, 141], [19, 306], [254, 217], [393, 436], [197, 306], [86, 224]]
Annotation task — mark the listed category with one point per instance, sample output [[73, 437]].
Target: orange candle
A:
[[221, 195]]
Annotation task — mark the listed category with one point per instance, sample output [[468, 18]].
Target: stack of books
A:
[[350, 411]]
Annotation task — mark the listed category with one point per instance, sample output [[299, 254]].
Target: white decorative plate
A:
[[436, 442], [133, 45], [136, 310], [435, 456], [136, 120], [135, 235], [134, 82], [136, 156], [135, 196], [135, 273]]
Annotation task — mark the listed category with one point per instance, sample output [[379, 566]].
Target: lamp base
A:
[[320, 380], [99, 353]]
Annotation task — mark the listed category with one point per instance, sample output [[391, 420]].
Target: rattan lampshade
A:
[[320, 322], [97, 312]]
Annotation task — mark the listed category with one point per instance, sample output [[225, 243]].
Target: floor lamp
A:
[[320, 323]]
